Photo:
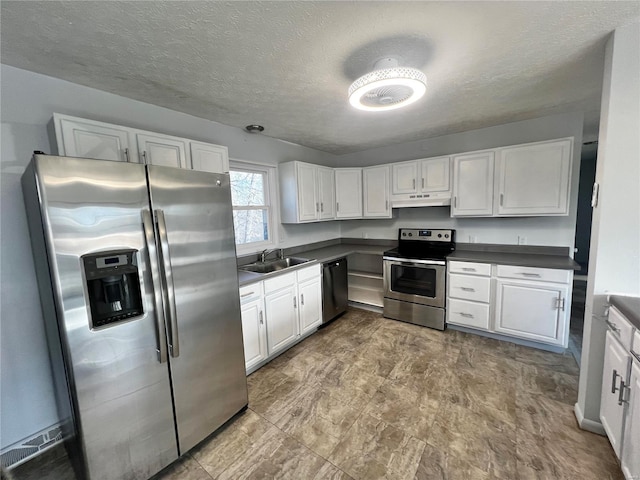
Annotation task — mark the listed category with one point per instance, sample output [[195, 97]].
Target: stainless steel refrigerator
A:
[[137, 274]]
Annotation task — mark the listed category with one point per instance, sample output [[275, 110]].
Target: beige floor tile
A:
[[437, 465], [185, 468], [329, 471], [561, 363], [543, 381], [373, 449]]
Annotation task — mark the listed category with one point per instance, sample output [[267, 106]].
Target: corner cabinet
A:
[[307, 192], [78, 137], [348, 193], [375, 183]]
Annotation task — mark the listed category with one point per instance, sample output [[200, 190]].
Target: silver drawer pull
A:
[[246, 294], [467, 289], [466, 315], [613, 381], [261, 318], [614, 328], [468, 269], [623, 387], [534, 275]]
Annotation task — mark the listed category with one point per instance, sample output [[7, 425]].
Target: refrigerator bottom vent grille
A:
[[21, 452]]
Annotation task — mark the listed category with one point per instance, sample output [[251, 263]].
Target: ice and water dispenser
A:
[[113, 284]]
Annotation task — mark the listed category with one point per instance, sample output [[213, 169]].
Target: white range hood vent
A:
[[437, 199]]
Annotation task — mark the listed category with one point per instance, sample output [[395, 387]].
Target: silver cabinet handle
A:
[[302, 299], [455, 202], [317, 207], [562, 300], [147, 226], [295, 302], [261, 318], [337, 207], [386, 204], [467, 315], [623, 387], [247, 294], [467, 289], [468, 269], [144, 157], [612, 326], [422, 182], [322, 206], [414, 183], [532, 275], [167, 276], [613, 381], [126, 155], [501, 199]]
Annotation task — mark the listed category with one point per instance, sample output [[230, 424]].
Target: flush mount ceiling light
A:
[[387, 87], [254, 128]]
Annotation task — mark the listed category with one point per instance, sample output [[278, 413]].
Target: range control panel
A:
[[418, 234]]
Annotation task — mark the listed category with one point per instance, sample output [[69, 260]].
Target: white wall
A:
[[28, 102], [556, 231], [614, 263]]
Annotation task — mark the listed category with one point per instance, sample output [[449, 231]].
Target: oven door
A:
[[416, 281]]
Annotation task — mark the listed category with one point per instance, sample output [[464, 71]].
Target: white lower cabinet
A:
[[254, 332], [631, 443], [292, 308], [532, 310], [521, 302]]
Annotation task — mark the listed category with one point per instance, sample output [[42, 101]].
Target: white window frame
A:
[[270, 204]]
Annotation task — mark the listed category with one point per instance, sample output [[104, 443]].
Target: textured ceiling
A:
[[288, 65]]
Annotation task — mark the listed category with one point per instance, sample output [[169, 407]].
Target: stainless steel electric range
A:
[[414, 276]]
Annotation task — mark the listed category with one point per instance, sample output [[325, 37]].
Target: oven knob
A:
[[439, 235], [446, 235], [411, 234], [404, 234]]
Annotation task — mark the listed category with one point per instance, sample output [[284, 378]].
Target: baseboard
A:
[[586, 424]]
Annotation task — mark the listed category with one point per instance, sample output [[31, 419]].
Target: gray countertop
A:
[[520, 259], [628, 306]]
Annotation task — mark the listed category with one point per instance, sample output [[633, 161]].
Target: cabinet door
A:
[[308, 207], [534, 179], [310, 295], [282, 318], [348, 192], [87, 139], [163, 151], [616, 361], [375, 183], [404, 177], [326, 193], [253, 333], [631, 444], [532, 310], [435, 175], [209, 158], [473, 184]]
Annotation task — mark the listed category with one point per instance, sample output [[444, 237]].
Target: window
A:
[[250, 196]]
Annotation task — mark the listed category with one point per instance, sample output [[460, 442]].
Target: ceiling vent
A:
[[387, 87]]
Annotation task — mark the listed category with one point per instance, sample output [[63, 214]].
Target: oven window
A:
[[414, 280]]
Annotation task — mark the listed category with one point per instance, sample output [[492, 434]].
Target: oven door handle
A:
[[412, 262]]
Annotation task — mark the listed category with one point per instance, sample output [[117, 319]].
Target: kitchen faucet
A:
[[267, 252]]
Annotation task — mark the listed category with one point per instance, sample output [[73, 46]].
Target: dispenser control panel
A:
[[113, 286]]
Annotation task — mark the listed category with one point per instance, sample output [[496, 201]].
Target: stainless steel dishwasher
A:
[[334, 289]]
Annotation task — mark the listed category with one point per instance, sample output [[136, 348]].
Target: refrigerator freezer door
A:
[[194, 226], [120, 390]]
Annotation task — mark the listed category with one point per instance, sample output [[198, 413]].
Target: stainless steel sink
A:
[[274, 265]]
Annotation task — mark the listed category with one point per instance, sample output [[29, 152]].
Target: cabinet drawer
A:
[[622, 329], [470, 268], [469, 314], [281, 281], [248, 293], [468, 287], [533, 273], [308, 273]]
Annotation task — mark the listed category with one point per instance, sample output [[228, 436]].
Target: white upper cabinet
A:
[[376, 192], [163, 151], [209, 158], [473, 184], [306, 192], [326, 193], [348, 192], [533, 179], [421, 182], [77, 137], [405, 177]]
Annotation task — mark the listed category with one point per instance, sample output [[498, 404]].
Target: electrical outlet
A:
[[522, 240]]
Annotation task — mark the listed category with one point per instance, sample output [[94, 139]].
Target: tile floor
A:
[[369, 398]]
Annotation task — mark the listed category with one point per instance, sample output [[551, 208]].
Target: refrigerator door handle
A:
[[167, 276], [147, 225]]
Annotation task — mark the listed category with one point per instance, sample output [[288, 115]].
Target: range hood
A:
[[435, 199]]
